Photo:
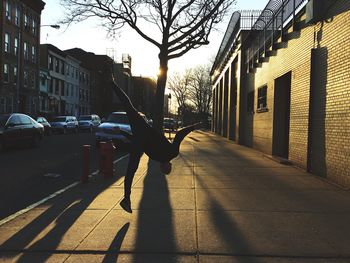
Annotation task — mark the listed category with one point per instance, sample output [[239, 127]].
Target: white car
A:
[[63, 124], [89, 122], [110, 129]]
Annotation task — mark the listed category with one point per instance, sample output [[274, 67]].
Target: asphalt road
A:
[[24, 170]]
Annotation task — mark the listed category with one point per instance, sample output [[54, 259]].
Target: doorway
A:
[[281, 116]]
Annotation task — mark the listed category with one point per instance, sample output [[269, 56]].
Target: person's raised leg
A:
[[181, 134]]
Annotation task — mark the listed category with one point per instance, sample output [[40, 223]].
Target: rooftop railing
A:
[[269, 26], [240, 20]]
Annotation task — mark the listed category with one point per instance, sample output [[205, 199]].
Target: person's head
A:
[[165, 167]]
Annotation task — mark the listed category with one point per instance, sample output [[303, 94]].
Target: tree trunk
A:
[[161, 82]]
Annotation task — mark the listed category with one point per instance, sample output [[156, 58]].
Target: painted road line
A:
[[121, 158], [28, 208], [25, 210]]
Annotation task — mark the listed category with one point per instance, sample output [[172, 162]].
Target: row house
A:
[[282, 85], [19, 55], [68, 83]]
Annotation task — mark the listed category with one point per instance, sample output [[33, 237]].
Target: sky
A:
[[91, 37]]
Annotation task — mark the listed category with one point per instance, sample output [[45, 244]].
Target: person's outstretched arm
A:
[[125, 100], [181, 134]]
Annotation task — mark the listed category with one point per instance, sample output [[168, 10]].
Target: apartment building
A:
[[19, 55]]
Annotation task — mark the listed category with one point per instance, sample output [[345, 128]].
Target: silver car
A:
[[63, 124], [89, 122], [110, 129]]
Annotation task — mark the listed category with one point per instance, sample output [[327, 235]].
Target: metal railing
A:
[[269, 25], [240, 20]]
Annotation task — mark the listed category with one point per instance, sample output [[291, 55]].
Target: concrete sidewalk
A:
[[222, 203]]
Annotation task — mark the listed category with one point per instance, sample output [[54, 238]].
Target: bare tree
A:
[[179, 85], [200, 92], [173, 26]]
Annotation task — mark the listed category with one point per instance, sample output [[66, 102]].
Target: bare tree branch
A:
[[173, 26]]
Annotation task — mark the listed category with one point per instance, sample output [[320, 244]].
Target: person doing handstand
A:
[[146, 139]]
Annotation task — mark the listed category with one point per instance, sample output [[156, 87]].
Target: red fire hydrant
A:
[[106, 158]]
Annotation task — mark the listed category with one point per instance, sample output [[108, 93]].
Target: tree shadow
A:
[[155, 222], [58, 219]]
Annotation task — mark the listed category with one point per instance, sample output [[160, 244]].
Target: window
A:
[[26, 50], [26, 21], [51, 85], [33, 54], [57, 87], [43, 80], [262, 99], [32, 79], [17, 16], [25, 119], [250, 102], [15, 72], [62, 67], [62, 88], [51, 62], [16, 46], [26, 77], [6, 73], [57, 64], [34, 27], [7, 42], [14, 120], [8, 10]]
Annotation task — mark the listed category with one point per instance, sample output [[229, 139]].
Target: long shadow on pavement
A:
[[155, 224]]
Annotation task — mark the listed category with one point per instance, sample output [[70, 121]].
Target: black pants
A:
[[134, 160]]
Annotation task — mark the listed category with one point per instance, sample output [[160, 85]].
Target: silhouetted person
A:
[[146, 139]]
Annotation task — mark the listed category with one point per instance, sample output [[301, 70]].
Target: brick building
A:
[[143, 94], [19, 55], [292, 73]]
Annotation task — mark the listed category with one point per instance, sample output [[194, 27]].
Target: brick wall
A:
[[333, 36], [325, 126]]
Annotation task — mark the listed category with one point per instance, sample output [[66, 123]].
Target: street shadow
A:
[[155, 222], [229, 230], [282, 187], [46, 231], [116, 245]]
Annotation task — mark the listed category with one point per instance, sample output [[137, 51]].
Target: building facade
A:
[[293, 96], [72, 79], [19, 55]]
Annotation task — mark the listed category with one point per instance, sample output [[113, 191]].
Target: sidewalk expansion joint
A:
[[175, 253]]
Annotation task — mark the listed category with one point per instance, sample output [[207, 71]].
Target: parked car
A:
[[110, 129], [46, 124], [89, 122], [64, 124], [170, 124], [19, 129]]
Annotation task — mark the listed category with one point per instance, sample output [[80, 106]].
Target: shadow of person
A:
[[116, 244], [155, 231]]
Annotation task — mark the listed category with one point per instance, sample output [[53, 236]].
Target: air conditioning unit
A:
[[316, 9]]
